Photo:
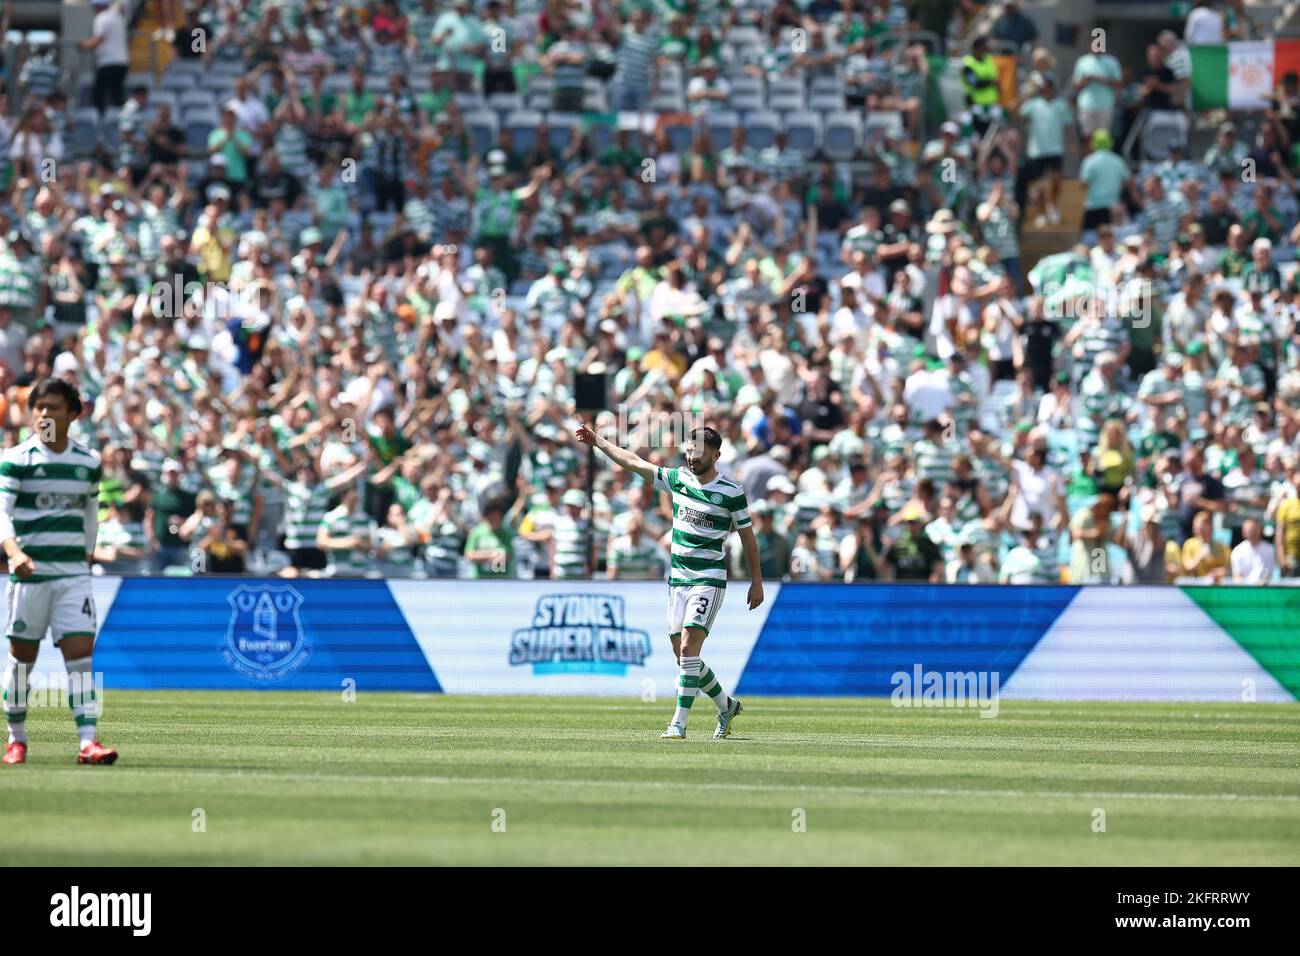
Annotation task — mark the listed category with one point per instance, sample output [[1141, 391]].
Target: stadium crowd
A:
[[340, 332]]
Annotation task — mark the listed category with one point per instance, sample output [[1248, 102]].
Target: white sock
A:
[[82, 699], [15, 699], [688, 684]]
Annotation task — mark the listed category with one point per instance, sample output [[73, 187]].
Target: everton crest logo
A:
[[265, 639]]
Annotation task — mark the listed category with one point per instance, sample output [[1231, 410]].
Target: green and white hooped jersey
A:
[[571, 537], [635, 560], [305, 510], [53, 500], [340, 523], [703, 516], [239, 492]]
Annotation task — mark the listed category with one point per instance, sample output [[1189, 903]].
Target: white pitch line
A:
[[683, 785], [868, 711]]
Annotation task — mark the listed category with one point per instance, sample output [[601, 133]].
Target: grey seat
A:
[[761, 127], [841, 135]]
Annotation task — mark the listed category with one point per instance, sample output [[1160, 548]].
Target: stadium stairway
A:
[[1037, 242], [144, 48]]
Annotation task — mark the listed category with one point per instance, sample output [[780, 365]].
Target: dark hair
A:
[[709, 436], [56, 386]]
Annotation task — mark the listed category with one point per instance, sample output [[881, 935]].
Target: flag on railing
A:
[[1241, 76]]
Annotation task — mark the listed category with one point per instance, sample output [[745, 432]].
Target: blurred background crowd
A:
[[332, 277]]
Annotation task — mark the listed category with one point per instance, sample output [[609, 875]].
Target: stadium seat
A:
[[139, 79], [178, 81], [109, 134], [745, 101], [158, 98], [523, 128], [85, 132], [804, 132], [680, 135], [842, 135], [602, 136], [198, 127], [745, 36], [563, 128], [826, 84], [1163, 128], [538, 100], [197, 99], [482, 126], [504, 103], [746, 85], [785, 102], [826, 102], [788, 87], [760, 128], [467, 101], [720, 123], [881, 122]]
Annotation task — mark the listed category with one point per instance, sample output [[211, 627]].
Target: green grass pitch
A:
[[298, 778]]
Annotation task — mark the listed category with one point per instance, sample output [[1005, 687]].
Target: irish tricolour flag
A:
[[1241, 76]]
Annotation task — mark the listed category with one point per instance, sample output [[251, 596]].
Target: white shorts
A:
[[693, 606], [64, 606]]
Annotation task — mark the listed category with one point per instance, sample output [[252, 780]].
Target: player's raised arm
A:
[[619, 456]]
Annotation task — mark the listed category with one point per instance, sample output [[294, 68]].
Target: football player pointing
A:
[[706, 506]]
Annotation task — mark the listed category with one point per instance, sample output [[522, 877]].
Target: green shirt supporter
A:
[[1094, 67], [433, 102], [233, 145], [357, 106], [1263, 280], [1048, 120], [171, 506], [1233, 263], [20, 285], [496, 212], [1105, 173], [483, 537], [1259, 226], [640, 281]]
